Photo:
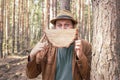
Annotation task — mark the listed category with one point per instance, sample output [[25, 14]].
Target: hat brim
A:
[[54, 20]]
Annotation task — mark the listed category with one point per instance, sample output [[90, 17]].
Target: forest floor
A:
[[13, 68]]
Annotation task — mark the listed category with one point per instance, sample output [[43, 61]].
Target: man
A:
[[72, 63]]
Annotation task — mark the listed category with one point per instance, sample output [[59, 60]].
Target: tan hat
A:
[[64, 14]]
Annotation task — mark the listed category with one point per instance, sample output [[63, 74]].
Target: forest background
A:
[[22, 23]]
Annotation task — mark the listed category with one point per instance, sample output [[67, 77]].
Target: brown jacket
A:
[[47, 65]]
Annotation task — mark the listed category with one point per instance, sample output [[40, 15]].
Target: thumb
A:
[[77, 34]]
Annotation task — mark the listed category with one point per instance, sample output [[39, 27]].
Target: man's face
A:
[[64, 24]]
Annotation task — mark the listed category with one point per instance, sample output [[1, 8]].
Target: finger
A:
[[78, 44], [78, 41], [37, 58], [77, 47]]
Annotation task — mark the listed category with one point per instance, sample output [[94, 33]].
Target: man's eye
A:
[[66, 25], [59, 25]]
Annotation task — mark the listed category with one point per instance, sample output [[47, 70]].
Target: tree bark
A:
[[42, 20], [78, 13], [82, 26], [1, 28], [46, 14], [73, 7], [106, 40], [13, 32], [51, 11], [54, 8], [27, 24], [23, 24], [7, 28], [65, 4], [88, 34], [18, 27]]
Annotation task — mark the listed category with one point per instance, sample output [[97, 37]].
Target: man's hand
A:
[[78, 48], [38, 47]]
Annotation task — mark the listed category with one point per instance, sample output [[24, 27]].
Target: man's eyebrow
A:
[[68, 23], [58, 23]]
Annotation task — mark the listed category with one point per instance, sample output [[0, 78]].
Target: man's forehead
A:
[[64, 20]]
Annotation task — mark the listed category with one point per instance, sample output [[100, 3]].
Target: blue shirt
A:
[[64, 63]]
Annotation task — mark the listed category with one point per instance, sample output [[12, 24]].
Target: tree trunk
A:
[[73, 7], [4, 24], [22, 24], [18, 27], [42, 18], [88, 35], [7, 26], [78, 13], [82, 26], [13, 32], [65, 4], [27, 24], [106, 40], [46, 14], [1, 27], [53, 10]]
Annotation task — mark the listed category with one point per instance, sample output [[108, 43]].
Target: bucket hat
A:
[[64, 14]]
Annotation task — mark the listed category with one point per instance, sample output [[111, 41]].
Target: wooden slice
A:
[[61, 38]]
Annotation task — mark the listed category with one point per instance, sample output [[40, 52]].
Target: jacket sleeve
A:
[[84, 62], [33, 68]]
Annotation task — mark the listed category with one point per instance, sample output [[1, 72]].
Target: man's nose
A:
[[63, 27]]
